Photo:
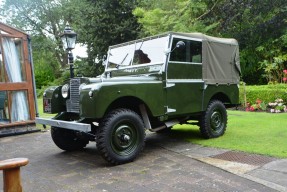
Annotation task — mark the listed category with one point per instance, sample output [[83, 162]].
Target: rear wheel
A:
[[213, 122], [67, 140], [121, 136]]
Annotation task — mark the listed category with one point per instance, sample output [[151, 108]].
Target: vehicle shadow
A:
[[90, 155], [175, 134]]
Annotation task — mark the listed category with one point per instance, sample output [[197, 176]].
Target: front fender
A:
[[151, 93], [53, 102]]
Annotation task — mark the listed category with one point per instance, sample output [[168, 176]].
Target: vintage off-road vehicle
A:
[[151, 83]]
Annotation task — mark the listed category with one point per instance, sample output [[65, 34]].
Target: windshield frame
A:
[[137, 44]]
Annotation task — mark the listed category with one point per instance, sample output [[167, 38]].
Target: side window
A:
[[192, 52]]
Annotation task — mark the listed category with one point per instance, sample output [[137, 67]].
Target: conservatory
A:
[[17, 93]]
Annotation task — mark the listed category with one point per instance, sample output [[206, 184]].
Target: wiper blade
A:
[[121, 63]]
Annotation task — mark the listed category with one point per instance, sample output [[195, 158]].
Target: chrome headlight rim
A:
[[91, 94], [81, 86], [65, 91]]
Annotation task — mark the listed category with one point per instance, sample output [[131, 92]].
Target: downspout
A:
[[33, 75]]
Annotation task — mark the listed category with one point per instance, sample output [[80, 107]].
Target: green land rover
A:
[[152, 83]]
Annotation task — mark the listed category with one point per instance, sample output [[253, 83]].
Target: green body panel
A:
[[149, 92], [184, 71], [230, 91], [56, 101], [185, 98], [185, 88]]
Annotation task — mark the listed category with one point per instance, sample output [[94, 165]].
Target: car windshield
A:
[[138, 52]]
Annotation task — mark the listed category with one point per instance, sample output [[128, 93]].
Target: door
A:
[[184, 84]]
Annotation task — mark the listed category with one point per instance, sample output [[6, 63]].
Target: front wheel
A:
[[121, 136], [214, 120]]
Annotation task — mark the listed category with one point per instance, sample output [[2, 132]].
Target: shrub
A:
[[266, 93]]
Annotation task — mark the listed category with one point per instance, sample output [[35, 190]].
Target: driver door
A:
[[184, 84]]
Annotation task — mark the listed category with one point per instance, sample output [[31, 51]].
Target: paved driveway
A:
[[157, 169]]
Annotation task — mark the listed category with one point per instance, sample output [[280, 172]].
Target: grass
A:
[[261, 133]]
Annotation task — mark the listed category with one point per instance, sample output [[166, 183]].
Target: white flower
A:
[[279, 100]]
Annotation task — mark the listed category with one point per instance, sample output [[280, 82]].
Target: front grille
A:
[[73, 103]]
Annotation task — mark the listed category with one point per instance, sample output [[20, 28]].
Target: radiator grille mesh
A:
[[73, 103]]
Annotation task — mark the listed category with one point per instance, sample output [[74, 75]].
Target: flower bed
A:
[[285, 75], [277, 106], [273, 97]]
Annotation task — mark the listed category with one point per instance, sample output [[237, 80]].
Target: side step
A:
[[168, 124]]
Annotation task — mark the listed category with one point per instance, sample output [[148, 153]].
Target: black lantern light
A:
[[69, 38]]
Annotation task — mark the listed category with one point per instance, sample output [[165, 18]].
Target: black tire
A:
[[67, 140], [121, 136], [214, 121]]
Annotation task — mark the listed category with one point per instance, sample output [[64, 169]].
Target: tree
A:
[[104, 23], [169, 15], [42, 18], [259, 26], [98, 24], [46, 66]]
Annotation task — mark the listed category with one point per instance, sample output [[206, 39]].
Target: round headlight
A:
[[91, 93], [65, 91]]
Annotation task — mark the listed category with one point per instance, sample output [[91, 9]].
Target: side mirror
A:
[[180, 44]]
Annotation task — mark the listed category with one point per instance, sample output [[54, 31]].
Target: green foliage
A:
[[252, 23], [274, 60], [263, 106], [56, 82], [86, 69], [259, 26], [259, 105], [46, 65], [104, 23], [43, 77], [169, 15], [45, 19], [266, 93]]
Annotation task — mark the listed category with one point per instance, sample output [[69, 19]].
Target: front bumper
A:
[[72, 125]]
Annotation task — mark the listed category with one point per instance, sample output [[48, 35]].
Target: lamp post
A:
[[69, 41]]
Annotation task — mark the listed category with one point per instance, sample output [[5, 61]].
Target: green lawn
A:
[[262, 133]]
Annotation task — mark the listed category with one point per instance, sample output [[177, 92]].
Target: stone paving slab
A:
[[273, 174], [160, 167]]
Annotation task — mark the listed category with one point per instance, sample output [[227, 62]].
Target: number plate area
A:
[[47, 105]]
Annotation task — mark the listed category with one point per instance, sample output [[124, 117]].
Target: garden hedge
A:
[[266, 93]]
